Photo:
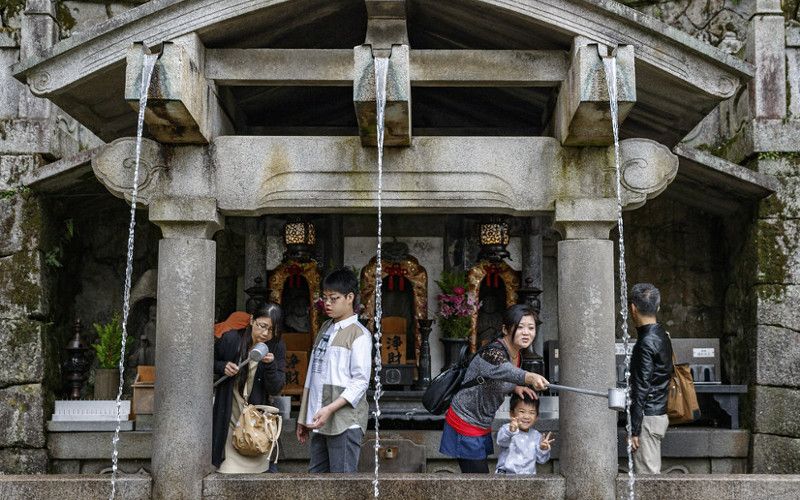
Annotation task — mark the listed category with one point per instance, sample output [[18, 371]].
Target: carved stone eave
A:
[[676, 75], [114, 166]]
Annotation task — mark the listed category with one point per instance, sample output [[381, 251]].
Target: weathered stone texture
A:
[[777, 305], [777, 356], [785, 203], [22, 414], [677, 248], [776, 410], [708, 20], [21, 355], [777, 251], [22, 461], [775, 455], [128, 487], [711, 487], [429, 486]]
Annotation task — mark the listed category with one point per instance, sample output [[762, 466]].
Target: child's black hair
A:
[[342, 280], [516, 401]]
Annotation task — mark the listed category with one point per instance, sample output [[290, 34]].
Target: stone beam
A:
[[274, 67], [181, 106], [443, 174], [397, 118], [428, 68], [261, 175], [488, 68], [582, 115]]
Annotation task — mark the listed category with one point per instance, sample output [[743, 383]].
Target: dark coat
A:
[[269, 380], [651, 369]]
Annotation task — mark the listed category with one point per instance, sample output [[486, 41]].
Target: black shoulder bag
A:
[[439, 394]]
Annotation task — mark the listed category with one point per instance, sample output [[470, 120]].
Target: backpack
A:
[[443, 387], [682, 404]]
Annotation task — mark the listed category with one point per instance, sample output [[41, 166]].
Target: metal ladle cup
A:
[[616, 397], [256, 354]]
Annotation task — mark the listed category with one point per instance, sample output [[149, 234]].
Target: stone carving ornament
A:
[[114, 166], [647, 169]]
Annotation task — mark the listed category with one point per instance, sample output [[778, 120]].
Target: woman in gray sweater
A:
[[467, 433]]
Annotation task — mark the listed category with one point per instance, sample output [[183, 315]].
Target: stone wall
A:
[[678, 249], [24, 306], [31, 247], [776, 330]]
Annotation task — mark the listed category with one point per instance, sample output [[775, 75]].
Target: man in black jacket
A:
[[651, 368]]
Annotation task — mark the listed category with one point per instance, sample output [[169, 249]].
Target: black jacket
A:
[[268, 381], [651, 369]]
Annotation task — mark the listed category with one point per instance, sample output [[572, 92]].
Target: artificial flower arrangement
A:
[[456, 306]]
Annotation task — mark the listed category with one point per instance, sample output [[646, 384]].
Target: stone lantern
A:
[[76, 364]]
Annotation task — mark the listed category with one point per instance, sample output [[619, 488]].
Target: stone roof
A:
[[678, 79]]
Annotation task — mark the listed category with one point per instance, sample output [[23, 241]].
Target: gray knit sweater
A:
[[477, 405]]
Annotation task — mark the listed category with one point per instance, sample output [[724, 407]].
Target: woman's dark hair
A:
[[516, 401], [272, 311], [514, 315], [342, 280], [266, 310]]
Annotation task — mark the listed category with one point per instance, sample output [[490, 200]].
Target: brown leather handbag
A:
[[682, 406]]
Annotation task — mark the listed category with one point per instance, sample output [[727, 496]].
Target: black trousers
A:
[[473, 466]]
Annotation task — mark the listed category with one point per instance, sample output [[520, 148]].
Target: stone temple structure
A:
[[264, 110]]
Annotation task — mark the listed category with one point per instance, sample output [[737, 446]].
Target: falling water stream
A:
[[148, 63], [381, 69], [610, 64]]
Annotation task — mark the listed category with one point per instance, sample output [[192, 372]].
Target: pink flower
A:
[[459, 291]]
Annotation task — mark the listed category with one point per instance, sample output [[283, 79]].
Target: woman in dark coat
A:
[[259, 380]]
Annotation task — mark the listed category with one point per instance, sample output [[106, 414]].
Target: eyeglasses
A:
[[262, 326], [330, 299]]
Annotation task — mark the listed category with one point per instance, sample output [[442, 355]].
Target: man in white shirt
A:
[[334, 409]]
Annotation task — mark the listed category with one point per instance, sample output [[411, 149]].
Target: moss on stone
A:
[[21, 333], [19, 272], [774, 247]]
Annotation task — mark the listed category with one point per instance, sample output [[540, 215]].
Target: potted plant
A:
[[456, 308], [108, 348]]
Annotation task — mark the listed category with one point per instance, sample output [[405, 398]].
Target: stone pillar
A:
[[586, 346], [766, 51], [255, 252], [181, 454], [531, 286]]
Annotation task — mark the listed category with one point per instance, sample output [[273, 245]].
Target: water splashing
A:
[[610, 64], [148, 63], [381, 70]]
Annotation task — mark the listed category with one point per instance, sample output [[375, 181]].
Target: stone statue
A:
[[145, 352]]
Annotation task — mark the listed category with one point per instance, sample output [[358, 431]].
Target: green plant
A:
[[109, 342], [456, 306]]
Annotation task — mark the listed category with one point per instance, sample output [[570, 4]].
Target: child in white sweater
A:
[[522, 446]]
